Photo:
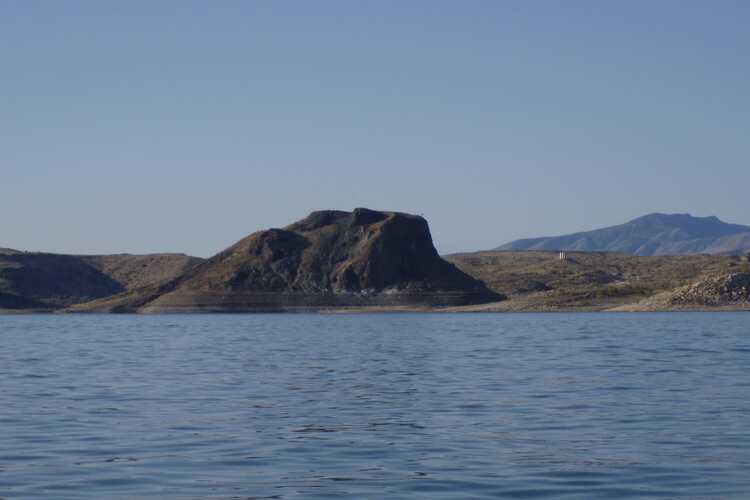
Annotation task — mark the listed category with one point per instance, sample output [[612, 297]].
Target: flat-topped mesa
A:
[[330, 259]]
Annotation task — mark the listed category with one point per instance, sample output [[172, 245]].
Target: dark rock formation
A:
[[654, 234], [39, 280], [330, 259]]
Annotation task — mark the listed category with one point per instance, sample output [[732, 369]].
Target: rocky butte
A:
[[328, 260]]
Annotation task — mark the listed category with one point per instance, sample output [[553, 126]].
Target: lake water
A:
[[375, 406]]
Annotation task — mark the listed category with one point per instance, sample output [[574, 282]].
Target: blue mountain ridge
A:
[[653, 234]]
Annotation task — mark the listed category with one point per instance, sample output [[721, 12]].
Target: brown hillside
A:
[[136, 271], [539, 281], [44, 281]]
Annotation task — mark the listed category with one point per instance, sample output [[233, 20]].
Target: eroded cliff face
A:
[[330, 259], [339, 252]]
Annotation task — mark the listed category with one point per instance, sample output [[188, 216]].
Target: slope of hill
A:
[[135, 271], [654, 234], [44, 281], [539, 281], [330, 259]]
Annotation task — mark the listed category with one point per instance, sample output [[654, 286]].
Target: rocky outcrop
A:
[[729, 292], [330, 259], [730, 289]]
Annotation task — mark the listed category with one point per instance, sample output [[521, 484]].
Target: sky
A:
[[183, 126]]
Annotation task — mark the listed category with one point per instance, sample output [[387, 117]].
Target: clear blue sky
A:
[[145, 126]]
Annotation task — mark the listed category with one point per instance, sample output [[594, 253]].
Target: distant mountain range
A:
[[653, 234]]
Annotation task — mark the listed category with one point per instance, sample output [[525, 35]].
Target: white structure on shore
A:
[[563, 256]]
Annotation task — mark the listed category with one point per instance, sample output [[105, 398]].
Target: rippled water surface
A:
[[375, 406]]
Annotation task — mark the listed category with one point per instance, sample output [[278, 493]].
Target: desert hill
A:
[[330, 259], [654, 234], [540, 281], [46, 281]]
